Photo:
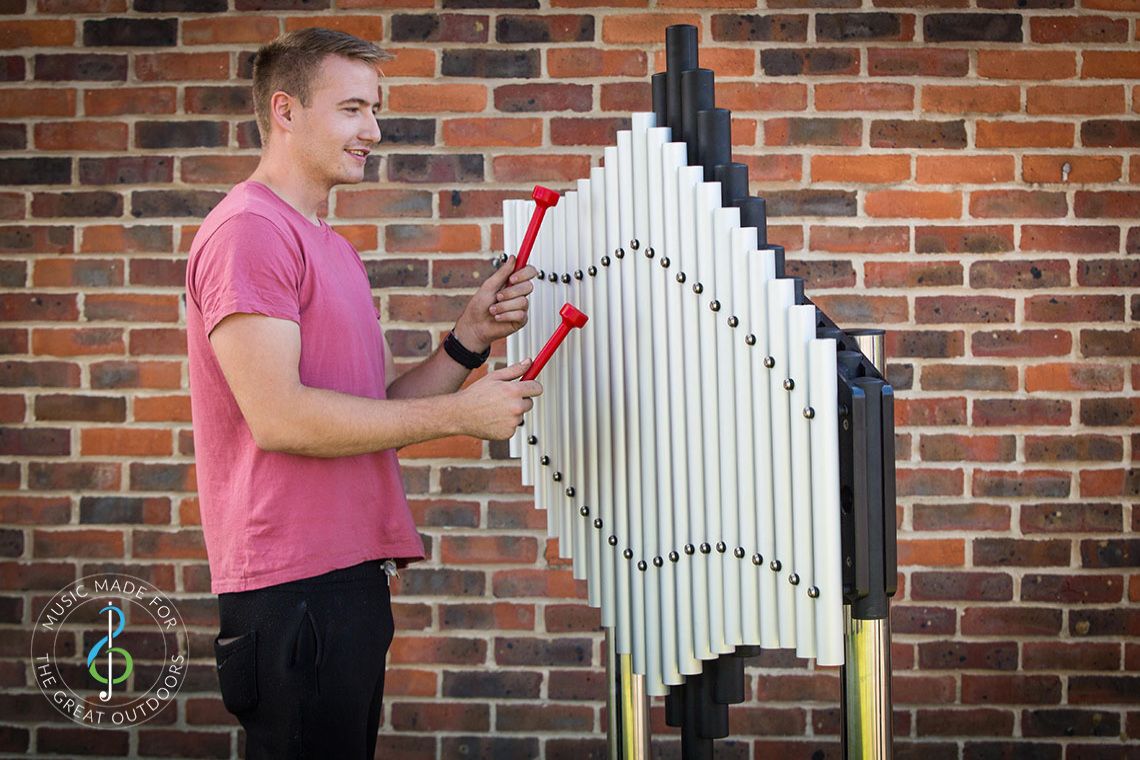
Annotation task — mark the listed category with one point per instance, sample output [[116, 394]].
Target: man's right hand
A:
[[493, 406]]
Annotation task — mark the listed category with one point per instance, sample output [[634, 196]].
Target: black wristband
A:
[[463, 355]]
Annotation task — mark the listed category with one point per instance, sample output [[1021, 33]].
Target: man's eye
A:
[[352, 109]]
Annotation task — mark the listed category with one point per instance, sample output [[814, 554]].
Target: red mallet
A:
[[544, 198], [571, 318]]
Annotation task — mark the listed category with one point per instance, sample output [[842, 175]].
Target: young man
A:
[[297, 412]]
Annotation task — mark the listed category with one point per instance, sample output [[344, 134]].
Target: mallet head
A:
[[572, 316], [545, 197]]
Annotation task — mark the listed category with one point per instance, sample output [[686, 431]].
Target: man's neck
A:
[[302, 195]]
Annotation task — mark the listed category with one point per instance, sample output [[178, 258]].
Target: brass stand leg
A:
[[627, 707], [866, 697]]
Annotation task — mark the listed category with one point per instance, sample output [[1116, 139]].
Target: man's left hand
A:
[[498, 308]]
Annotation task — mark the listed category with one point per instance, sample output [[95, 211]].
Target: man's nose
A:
[[371, 131]]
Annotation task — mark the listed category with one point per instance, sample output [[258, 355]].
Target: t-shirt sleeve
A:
[[248, 266]]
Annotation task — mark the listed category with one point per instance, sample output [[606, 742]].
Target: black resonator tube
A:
[[680, 56], [698, 93], [660, 98], [714, 139]]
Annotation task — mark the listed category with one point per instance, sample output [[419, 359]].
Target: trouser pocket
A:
[[237, 672]]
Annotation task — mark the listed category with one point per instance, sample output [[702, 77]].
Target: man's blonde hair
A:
[[290, 64]]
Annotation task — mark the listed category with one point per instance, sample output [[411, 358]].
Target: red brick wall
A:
[[911, 153]]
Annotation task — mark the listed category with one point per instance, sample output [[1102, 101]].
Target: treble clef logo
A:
[[92, 656]]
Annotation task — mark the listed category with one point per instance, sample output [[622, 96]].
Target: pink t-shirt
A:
[[270, 517]]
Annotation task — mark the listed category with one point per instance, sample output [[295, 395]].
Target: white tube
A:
[[824, 400], [574, 481], [604, 402], [689, 178], [781, 295], [560, 460], [801, 331], [708, 201], [677, 564], [630, 328], [620, 530], [725, 222], [761, 270], [589, 358], [510, 243], [743, 244]]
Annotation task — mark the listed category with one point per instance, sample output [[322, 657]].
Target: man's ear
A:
[[282, 107]]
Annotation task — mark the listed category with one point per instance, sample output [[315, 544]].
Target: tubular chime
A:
[[714, 454]]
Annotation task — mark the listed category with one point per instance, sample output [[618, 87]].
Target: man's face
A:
[[332, 137]]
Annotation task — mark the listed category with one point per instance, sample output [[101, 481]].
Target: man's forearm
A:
[[436, 375], [322, 423]]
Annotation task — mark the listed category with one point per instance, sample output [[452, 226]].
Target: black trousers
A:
[[301, 664]]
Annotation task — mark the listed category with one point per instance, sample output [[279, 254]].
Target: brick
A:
[[1073, 377], [1072, 589], [1015, 274], [822, 274], [973, 516], [15, 374], [165, 203], [811, 203], [551, 717], [913, 204], [970, 99], [442, 27], [1074, 309], [1104, 622], [492, 132], [929, 482], [130, 32], [126, 239], [35, 171], [131, 307], [24, 102], [927, 62], [490, 64], [35, 441], [1102, 553], [497, 616], [127, 374], [185, 134], [1096, 343], [433, 98], [82, 204], [1069, 722], [383, 203], [1035, 411], [972, 27], [932, 552], [958, 309], [582, 62], [36, 33], [125, 442], [1105, 64], [1009, 552], [77, 342], [212, 170], [244, 29], [899, 133], [643, 27], [838, 239], [452, 650], [817, 131], [123, 170], [545, 28], [1003, 621], [77, 543], [1032, 483], [586, 131], [864, 309], [737, 27], [958, 585], [130, 100], [761, 96], [419, 167], [1037, 134], [817, 62], [864, 97], [1051, 99], [969, 722], [410, 62], [559, 651], [974, 448], [446, 716], [1110, 483], [22, 307], [878, 169], [523, 98], [1017, 204], [1082, 169], [971, 239], [488, 549], [817, 687], [540, 167], [1109, 133], [1011, 690], [181, 67], [84, 67], [923, 620], [1022, 343], [1026, 64], [1109, 412], [939, 170], [1108, 272], [925, 343], [1073, 448], [1071, 518], [1104, 690], [842, 27], [1110, 204], [497, 685], [1077, 239]]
